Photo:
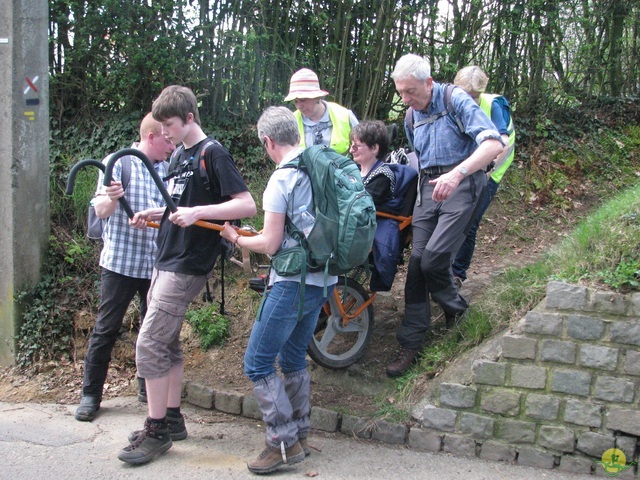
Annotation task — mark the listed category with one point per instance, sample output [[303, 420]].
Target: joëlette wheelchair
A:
[[346, 321]]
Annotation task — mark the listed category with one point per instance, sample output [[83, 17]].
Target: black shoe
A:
[[454, 320], [151, 442], [89, 405], [177, 428], [405, 359]]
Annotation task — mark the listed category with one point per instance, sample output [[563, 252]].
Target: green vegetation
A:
[[604, 249], [113, 57], [69, 284], [210, 326]]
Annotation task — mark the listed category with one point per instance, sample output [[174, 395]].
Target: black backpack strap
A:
[[199, 158], [172, 171]]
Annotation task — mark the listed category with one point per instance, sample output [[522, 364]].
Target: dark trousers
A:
[[465, 254], [116, 293], [439, 228]]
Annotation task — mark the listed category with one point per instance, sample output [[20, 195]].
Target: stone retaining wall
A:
[[564, 389]]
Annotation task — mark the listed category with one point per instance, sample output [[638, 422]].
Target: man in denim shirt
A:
[[452, 161]]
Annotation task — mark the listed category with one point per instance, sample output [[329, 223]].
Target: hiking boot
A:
[[89, 405], [403, 361], [151, 442], [304, 443], [177, 428], [457, 281], [273, 457], [142, 390]]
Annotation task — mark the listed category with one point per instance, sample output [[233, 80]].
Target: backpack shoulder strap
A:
[[449, 110], [448, 90], [295, 163], [173, 163], [408, 125], [201, 164], [125, 176], [408, 119]]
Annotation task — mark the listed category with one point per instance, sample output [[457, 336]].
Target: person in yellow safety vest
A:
[[319, 122], [474, 81]]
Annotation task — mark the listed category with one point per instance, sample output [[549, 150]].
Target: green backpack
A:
[[345, 216], [345, 220]]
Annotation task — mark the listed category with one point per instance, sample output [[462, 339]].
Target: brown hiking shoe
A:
[[273, 457], [403, 361], [151, 442]]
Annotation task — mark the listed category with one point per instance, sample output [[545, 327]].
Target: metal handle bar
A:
[[108, 175], [71, 183]]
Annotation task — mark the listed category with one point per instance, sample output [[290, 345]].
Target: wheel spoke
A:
[[329, 332], [355, 325]]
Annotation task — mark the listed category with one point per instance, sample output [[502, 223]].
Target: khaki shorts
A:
[[158, 347]]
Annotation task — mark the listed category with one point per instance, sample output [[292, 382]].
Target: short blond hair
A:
[[472, 79], [149, 125]]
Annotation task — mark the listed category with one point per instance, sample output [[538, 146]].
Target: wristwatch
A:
[[463, 170]]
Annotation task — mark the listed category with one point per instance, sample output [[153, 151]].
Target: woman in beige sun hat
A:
[[319, 122]]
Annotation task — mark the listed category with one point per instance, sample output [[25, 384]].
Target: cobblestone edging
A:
[[564, 389]]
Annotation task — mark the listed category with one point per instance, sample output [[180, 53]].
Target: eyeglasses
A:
[[354, 147]]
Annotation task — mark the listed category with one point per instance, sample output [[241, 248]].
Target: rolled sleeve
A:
[[489, 135]]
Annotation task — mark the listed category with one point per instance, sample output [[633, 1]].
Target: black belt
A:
[[437, 170]]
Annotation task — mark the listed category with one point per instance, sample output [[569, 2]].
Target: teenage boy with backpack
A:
[[185, 259], [126, 259]]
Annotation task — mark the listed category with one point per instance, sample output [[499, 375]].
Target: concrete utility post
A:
[[24, 157]]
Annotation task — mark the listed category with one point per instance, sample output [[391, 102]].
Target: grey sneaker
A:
[[273, 457], [177, 428], [151, 442]]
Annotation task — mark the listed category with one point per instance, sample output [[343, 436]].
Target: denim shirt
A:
[[441, 143]]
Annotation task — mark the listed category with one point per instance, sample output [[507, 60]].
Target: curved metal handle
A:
[[71, 181], [108, 177], [108, 174]]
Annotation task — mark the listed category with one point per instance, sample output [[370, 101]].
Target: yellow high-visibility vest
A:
[[341, 127], [486, 99]]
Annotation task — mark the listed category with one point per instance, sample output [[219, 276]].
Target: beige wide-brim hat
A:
[[304, 84]]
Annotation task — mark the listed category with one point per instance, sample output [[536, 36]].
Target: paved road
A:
[[46, 442]]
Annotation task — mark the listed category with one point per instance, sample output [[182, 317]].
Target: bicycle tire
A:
[[333, 345]]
